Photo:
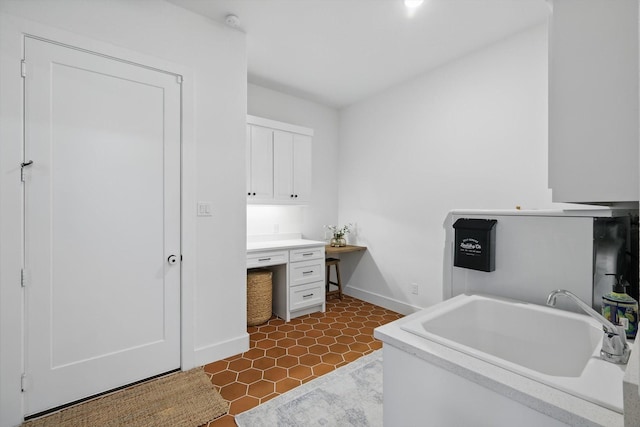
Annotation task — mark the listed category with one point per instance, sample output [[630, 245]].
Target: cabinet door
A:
[[247, 166], [593, 101], [302, 167], [283, 166], [260, 180]]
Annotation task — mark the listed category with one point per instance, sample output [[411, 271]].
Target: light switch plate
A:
[[205, 209]]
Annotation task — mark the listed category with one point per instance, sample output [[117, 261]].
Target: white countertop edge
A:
[[283, 244], [591, 211], [630, 387], [540, 397]]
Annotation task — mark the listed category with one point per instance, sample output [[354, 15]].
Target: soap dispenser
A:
[[619, 308]]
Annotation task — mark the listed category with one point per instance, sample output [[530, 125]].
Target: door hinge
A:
[[179, 79], [23, 382], [23, 69], [22, 166], [23, 278]]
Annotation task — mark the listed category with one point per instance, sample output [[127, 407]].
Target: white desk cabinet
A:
[[298, 275]]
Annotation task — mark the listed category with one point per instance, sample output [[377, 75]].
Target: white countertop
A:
[[540, 397], [282, 244], [587, 211]]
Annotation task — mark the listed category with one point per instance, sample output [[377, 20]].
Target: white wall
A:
[[323, 208], [470, 134], [213, 60]]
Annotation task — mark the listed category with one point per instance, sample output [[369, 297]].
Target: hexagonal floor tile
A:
[[285, 355]]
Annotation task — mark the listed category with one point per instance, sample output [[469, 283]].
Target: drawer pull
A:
[[308, 254], [307, 296], [264, 259], [307, 272]]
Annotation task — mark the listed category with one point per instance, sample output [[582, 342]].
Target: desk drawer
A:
[[306, 296], [316, 252], [263, 259], [306, 272]]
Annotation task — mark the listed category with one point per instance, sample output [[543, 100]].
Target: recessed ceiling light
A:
[[412, 4]]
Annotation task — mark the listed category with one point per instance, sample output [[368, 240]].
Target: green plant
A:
[[338, 233]]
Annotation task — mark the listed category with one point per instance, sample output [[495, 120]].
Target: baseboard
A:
[[381, 300], [218, 351]]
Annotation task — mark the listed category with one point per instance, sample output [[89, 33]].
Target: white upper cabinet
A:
[[259, 163], [302, 166], [593, 101], [291, 167], [282, 173]]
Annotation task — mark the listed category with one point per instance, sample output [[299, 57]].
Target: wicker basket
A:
[[259, 290]]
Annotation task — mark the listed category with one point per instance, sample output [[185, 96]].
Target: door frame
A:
[[13, 31]]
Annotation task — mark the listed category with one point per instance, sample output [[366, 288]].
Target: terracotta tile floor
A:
[[283, 355]]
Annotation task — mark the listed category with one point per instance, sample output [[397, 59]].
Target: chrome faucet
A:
[[614, 344]]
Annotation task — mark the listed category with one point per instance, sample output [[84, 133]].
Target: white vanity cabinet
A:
[[593, 101], [298, 268], [278, 162]]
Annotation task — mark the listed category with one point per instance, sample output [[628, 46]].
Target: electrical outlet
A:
[[414, 288], [205, 209]]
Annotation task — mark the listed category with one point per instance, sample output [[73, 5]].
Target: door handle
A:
[[172, 259]]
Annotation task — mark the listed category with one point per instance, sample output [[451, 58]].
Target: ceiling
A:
[[338, 52]]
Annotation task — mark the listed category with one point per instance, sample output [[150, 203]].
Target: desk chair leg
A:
[[339, 281], [327, 277]]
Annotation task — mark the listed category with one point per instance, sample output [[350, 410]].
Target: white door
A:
[[102, 217]]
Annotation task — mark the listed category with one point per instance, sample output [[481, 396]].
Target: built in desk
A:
[[336, 250]]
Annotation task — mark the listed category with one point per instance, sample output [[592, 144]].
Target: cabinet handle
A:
[[254, 194], [248, 194], [291, 195], [308, 254], [307, 296], [264, 259], [307, 272], [296, 196]]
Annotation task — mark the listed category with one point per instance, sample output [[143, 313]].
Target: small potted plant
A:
[[338, 234]]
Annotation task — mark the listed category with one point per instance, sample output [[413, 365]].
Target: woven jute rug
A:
[[182, 399]]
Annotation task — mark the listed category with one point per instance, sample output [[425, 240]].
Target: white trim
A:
[[381, 300], [12, 32], [273, 124], [217, 351], [11, 320], [188, 230]]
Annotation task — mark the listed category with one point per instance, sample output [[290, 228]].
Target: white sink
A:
[[555, 347]]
